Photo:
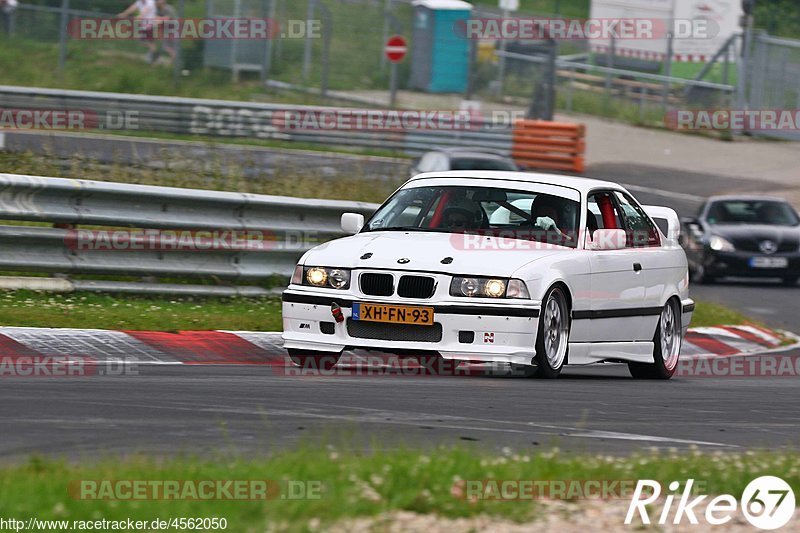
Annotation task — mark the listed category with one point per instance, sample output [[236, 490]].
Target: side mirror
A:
[[352, 223], [609, 239], [694, 227]]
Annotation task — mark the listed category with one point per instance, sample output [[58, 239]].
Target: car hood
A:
[[420, 251], [749, 237]]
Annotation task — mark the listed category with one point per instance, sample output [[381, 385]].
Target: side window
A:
[[602, 211], [639, 228]]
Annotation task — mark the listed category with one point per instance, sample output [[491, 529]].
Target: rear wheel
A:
[[552, 340], [666, 346], [314, 360]]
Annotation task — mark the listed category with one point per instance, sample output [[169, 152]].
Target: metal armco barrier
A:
[[549, 145], [223, 118], [287, 227]]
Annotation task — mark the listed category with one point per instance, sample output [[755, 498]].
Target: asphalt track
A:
[[163, 410], [246, 410]]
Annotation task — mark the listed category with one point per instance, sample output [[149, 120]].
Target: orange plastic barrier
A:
[[539, 144]]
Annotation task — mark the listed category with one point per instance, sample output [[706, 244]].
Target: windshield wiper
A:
[[404, 228]]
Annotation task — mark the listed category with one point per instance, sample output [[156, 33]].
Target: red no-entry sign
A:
[[395, 49]]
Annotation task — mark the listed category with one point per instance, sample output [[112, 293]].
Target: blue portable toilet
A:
[[440, 52]]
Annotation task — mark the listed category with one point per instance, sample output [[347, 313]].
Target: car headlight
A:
[[478, 287], [720, 244], [337, 278]]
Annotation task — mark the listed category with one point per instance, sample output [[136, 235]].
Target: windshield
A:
[[501, 212], [769, 212]]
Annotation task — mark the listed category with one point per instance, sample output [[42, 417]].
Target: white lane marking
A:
[[415, 419], [668, 194], [597, 434], [578, 432]]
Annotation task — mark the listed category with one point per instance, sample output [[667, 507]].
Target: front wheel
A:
[[314, 360], [666, 346], [700, 276], [552, 340]]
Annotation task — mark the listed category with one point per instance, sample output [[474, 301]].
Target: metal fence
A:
[[603, 90], [272, 232], [224, 118], [337, 45], [774, 81]]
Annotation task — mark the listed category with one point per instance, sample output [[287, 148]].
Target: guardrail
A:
[[549, 145], [223, 118], [266, 235]]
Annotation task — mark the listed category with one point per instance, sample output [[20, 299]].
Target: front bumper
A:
[[719, 264], [501, 333]]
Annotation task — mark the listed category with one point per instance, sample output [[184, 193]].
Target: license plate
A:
[[769, 262], [395, 314]]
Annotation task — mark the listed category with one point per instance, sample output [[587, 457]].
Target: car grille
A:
[[376, 284], [415, 287], [394, 332], [751, 245]]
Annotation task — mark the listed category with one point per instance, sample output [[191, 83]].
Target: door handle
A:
[[637, 267]]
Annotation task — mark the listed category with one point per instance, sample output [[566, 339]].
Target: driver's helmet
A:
[[462, 212], [559, 209]]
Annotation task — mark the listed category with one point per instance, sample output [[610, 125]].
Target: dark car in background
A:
[[743, 236], [463, 159]]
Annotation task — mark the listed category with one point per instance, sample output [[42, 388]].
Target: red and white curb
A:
[[250, 347]]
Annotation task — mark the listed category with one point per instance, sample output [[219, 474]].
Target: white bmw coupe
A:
[[530, 269]]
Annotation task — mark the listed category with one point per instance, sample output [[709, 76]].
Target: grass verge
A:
[[710, 314], [353, 484], [106, 311]]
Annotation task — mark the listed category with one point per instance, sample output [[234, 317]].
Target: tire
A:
[[666, 346], [700, 276], [552, 339], [790, 281], [314, 360]]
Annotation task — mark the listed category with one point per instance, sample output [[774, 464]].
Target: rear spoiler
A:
[[659, 213]]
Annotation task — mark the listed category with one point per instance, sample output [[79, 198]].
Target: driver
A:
[[546, 214], [462, 214]]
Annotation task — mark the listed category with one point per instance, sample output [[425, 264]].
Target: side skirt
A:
[[584, 353]]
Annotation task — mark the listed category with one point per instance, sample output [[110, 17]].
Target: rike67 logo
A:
[[767, 503]]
